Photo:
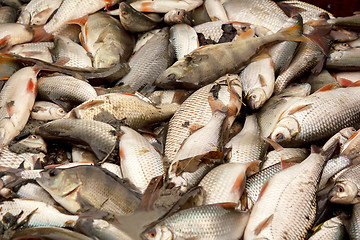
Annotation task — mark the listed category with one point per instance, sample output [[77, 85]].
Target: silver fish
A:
[[46, 111], [331, 229], [37, 12]]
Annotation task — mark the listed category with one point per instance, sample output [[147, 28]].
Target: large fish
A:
[[37, 12], [206, 64], [318, 116], [83, 187], [14, 33], [286, 209]]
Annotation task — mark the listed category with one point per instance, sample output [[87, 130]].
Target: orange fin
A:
[[91, 103], [62, 61], [4, 41], [228, 205], [129, 94], [239, 184], [288, 163], [80, 21], [40, 35], [10, 108], [31, 87], [327, 87], [121, 154], [263, 224], [217, 105], [355, 84], [263, 189], [147, 7], [298, 109], [344, 82], [253, 167], [277, 147], [194, 127], [248, 34]]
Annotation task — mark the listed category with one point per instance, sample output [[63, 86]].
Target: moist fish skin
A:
[[300, 124], [354, 231], [276, 156], [184, 39], [37, 12], [45, 111], [82, 187], [14, 33], [331, 229]]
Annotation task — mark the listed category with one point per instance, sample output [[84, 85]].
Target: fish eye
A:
[[62, 111], [123, 12], [279, 137], [53, 172], [345, 44], [152, 234], [252, 97], [340, 189], [33, 137]]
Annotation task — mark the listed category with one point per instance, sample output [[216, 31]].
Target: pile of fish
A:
[[178, 119]]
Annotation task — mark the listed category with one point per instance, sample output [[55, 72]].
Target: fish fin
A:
[[239, 184], [107, 4], [298, 109], [355, 84], [90, 103], [248, 34], [277, 147], [327, 87], [43, 13], [262, 80], [289, 10], [151, 193], [37, 162], [263, 189], [320, 41], [263, 225], [129, 94], [180, 96], [4, 41], [31, 86], [315, 149], [40, 35], [194, 127], [294, 34], [319, 66], [286, 163], [147, 7], [80, 21], [344, 82], [10, 108], [253, 167], [62, 61], [217, 105], [4, 78], [227, 205]]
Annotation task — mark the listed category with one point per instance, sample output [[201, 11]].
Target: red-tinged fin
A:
[[248, 34], [121, 154], [4, 79], [286, 163], [217, 105], [194, 127], [40, 35], [290, 10], [228, 205], [129, 94], [263, 189], [344, 82], [294, 34], [319, 66], [355, 84], [239, 184], [353, 136], [327, 87], [80, 21], [262, 80], [107, 4], [298, 109], [10, 108], [62, 61], [263, 225], [321, 41], [4, 41], [31, 86], [147, 7], [277, 147], [253, 167]]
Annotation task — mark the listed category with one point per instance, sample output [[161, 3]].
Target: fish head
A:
[[344, 193], [57, 113], [59, 182], [169, 77], [106, 56], [34, 142], [286, 130], [159, 232], [256, 98]]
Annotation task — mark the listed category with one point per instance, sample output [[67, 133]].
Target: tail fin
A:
[[294, 34]]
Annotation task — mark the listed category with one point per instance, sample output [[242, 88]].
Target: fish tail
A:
[[294, 34], [40, 35]]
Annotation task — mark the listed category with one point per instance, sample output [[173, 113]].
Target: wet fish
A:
[[83, 187], [318, 81], [208, 63], [247, 145], [37, 12], [178, 15], [149, 62], [139, 161], [13, 160], [184, 39], [331, 229], [273, 215], [45, 111], [344, 59], [160, 6], [332, 167], [258, 80], [14, 33], [218, 221], [35, 192], [39, 50], [49, 232], [215, 10], [99, 136], [66, 91], [32, 144], [349, 21], [117, 107], [300, 115], [354, 230]]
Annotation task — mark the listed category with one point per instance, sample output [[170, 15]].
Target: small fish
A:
[[45, 111], [35, 192], [215, 10], [37, 12], [32, 144], [161, 6], [344, 59], [40, 50], [14, 33], [178, 15], [184, 39]]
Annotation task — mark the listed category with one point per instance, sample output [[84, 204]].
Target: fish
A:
[[280, 154], [318, 81], [160, 6], [98, 136], [269, 114], [16, 101], [216, 10], [247, 146], [349, 21], [345, 190], [195, 111], [258, 80], [83, 187], [35, 192], [37, 12], [49, 232], [263, 13], [184, 39], [39, 213], [139, 160], [106, 40], [8, 14], [45, 111], [343, 59], [149, 62], [300, 116], [273, 215], [70, 10], [226, 183], [332, 167], [126, 107], [14, 160], [66, 91], [14, 33], [218, 221], [331, 229], [206, 64], [178, 15], [354, 222], [135, 21], [39, 50], [32, 144]]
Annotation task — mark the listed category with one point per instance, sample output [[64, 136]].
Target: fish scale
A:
[[354, 230], [319, 116]]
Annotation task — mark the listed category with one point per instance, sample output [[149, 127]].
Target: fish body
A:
[[346, 59], [126, 107], [45, 111], [81, 187], [38, 50], [276, 156], [204, 65], [354, 230], [287, 206], [16, 101], [328, 118], [205, 222], [13, 160], [331, 229], [15, 33], [35, 192], [163, 6], [139, 160], [37, 12], [184, 39]]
